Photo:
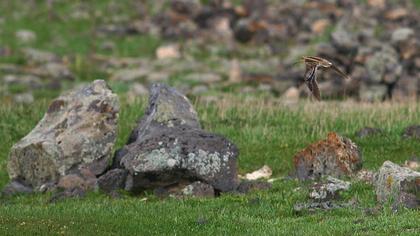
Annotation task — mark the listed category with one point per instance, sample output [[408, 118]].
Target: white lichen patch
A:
[[204, 163], [188, 190], [158, 160]]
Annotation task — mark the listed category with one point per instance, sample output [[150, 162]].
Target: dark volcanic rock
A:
[[16, 187], [335, 156], [113, 180], [167, 108], [77, 132], [412, 132], [168, 147]]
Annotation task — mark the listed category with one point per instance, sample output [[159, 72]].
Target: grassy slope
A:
[[266, 133]]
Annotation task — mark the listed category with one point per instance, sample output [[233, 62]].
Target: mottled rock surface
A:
[[329, 189], [167, 108], [335, 156], [396, 183], [77, 132], [168, 147]]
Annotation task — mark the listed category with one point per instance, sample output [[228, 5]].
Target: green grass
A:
[[266, 133]]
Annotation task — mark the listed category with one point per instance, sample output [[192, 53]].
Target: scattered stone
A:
[[247, 186], [78, 131], [25, 36], [401, 35], [263, 172], [368, 131], [373, 93], [38, 57], [320, 25], [157, 77], [412, 131], [398, 184], [235, 72], [366, 176], [384, 65], [335, 156], [323, 205], [113, 180], [63, 194], [129, 74], [198, 189], [24, 98], [343, 41], [16, 187], [208, 78], [328, 190], [406, 89], [168, 52], [168, 147], [291, 95], [413, 163], [199, 89], [58, 71]]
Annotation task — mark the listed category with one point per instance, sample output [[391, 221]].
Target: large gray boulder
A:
[[399, 184], [77, 132], [168, 147]]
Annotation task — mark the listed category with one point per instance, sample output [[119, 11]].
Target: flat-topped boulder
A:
[[168, 147]]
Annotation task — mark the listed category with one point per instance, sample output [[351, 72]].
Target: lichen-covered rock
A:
[[329, 189], [170, 154], [168, 147], [392, 181], [77, 132], [167, 108], [384, 65], [335, 156]]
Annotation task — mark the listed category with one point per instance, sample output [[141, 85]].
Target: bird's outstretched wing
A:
[[336, 69], [315, 90], [310, 80], [310, 71]]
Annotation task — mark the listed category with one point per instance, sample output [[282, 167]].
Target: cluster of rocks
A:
[[377, 43], [338, 157], [70, 150], [168, 152], [41, 70]]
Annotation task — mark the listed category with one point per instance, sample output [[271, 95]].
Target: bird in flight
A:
[[312, 65]]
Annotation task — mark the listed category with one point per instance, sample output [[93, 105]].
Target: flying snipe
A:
[[312, 65]]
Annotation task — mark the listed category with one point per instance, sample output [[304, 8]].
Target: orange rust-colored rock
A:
[[334, 156]]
